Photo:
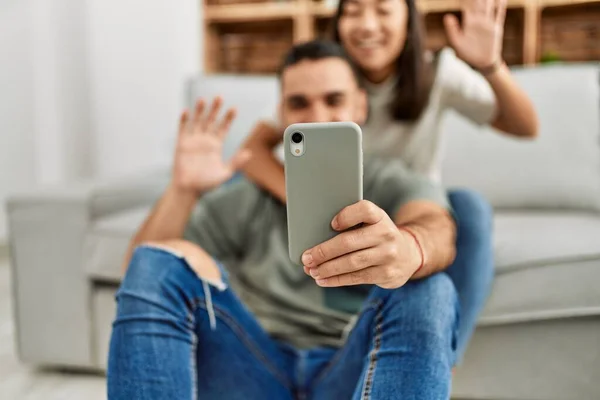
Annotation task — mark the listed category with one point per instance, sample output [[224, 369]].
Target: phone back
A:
[[321, 181]]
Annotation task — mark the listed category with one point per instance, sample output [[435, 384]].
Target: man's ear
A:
[[361, 107]]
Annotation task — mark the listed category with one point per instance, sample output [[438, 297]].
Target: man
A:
[[367, 317]]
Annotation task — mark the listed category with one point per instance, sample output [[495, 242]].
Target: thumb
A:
[[452, 29], [240, 159]]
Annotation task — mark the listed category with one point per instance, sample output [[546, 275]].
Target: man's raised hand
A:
[[199, 165]]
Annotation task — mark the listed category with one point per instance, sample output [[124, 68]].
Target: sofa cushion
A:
[[107, 241], [534, 239], [559, 170], [548, 267], [551, 291], [255, 97]]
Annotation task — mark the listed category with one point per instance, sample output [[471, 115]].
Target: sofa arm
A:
[[52, 295], [100, 197]]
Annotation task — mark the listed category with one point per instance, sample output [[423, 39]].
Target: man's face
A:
[[321, 91]]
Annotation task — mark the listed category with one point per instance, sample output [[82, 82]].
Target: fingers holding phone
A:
[[376, 252]]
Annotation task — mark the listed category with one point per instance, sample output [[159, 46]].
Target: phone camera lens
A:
[[296, 137]]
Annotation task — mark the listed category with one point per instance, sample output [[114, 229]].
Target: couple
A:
[[288, 334], [211, 306]]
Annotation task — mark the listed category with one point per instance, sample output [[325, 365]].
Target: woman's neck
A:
[[378, 77]]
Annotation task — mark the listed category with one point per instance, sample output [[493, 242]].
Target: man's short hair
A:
[[315, 50]]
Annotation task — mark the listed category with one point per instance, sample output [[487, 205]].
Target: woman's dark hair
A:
[[415, 74]]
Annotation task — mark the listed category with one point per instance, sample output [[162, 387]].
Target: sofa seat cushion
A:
[[548, 267], [106, 243], [528, 239]]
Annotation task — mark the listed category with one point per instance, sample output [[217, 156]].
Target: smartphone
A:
[[323, 174]]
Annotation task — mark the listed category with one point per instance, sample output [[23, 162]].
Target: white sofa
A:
[[539, 337]]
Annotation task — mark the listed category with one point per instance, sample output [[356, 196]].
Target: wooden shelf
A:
[[265, 11], [433, 6], [270, 10], [560, 3], [320, 10], [526, 26]]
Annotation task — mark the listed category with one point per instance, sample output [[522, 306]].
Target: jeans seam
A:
[[194, 363], [375, 304], [229, 321], [368, 383]]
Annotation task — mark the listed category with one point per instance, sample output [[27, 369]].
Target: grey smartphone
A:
[[323, 174]]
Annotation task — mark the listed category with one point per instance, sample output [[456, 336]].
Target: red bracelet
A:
[[411, 233]]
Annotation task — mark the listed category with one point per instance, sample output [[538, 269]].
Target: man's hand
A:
[[375, 253], [199, 165]]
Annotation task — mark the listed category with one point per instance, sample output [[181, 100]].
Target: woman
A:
[[409, 94]]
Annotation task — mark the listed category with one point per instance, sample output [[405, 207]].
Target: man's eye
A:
[[297, 104], [334, 101]]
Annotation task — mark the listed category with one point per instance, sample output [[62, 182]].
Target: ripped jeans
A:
[[177, 336]]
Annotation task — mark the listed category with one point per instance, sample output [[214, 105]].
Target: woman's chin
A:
[[376, 72], [371, 61]]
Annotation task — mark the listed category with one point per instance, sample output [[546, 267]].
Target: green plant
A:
[[550, 57]]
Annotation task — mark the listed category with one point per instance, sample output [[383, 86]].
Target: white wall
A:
[[141, 52], [17, 168], [44, 110], [61, 95], [90, 88]]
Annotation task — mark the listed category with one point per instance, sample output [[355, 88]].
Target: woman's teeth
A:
[[367, 44]]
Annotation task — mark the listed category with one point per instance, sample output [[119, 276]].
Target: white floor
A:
[[20, 382]]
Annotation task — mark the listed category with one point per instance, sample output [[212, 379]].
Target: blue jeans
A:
[[473, 269], [176, 336]]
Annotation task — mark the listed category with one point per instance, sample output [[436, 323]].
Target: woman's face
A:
[[373, 32]]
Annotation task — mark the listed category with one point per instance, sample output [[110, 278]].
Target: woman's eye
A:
[[384, 11], [351, 10]]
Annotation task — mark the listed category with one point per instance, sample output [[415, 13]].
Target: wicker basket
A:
[[324, 28], [571, 33], [256, 53], [512, 44]]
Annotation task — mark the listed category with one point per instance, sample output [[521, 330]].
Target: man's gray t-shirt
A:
[[246, 229]]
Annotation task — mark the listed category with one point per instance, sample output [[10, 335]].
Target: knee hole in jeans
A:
[[197, 259]]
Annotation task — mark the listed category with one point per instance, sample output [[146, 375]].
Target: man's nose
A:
[[320, 114]]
